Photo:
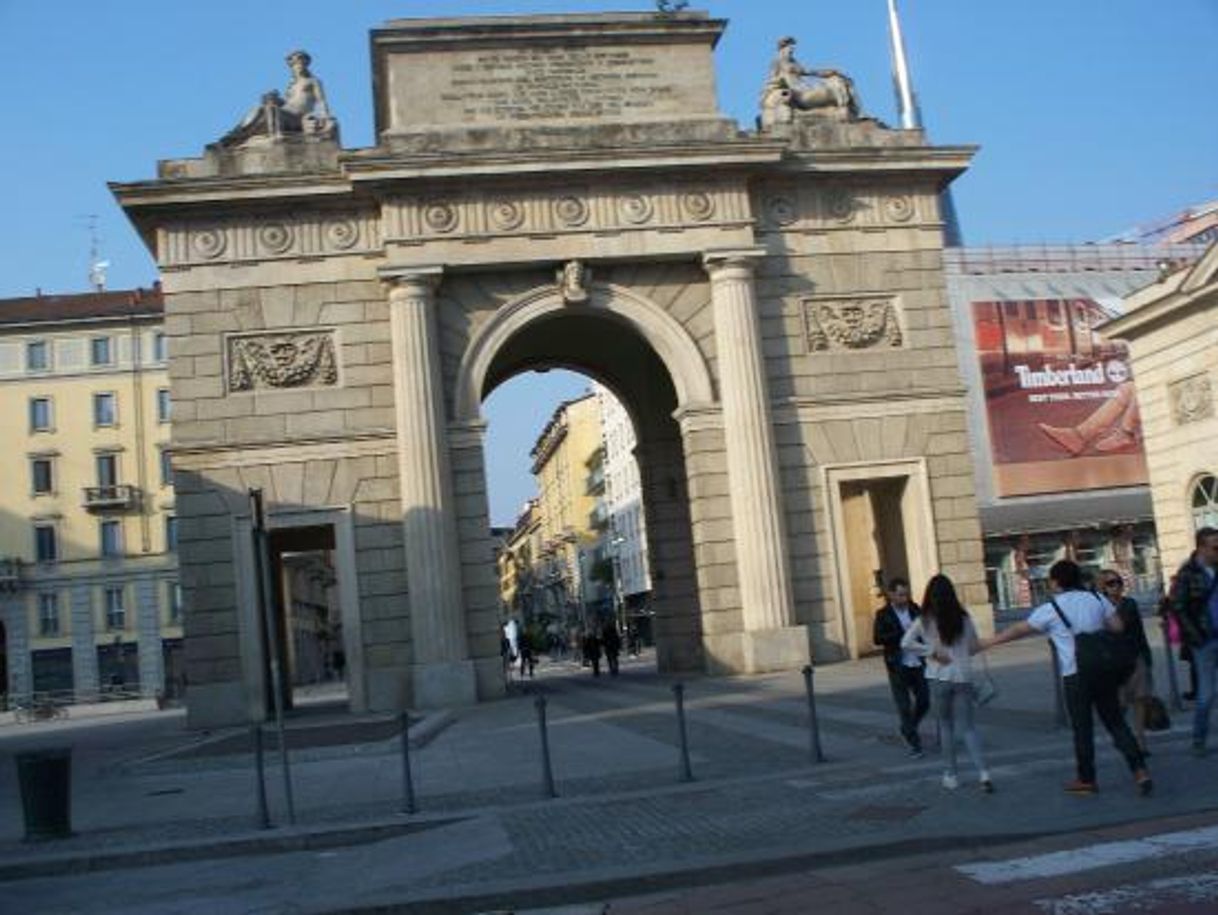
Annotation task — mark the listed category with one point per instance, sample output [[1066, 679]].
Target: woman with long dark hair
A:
[[944, 634]]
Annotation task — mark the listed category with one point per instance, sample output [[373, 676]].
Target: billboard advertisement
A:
[[1059, 398]]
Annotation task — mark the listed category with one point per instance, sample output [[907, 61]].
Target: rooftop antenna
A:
[[97, 266]]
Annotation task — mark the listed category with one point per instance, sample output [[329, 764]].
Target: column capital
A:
[[732, 262], [412, 281]]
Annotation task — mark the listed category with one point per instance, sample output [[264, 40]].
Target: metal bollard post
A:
[[408, 804], [1059, 690], [684, 774], [547, 774], [813, 725], [1169, 664], [264, 813]]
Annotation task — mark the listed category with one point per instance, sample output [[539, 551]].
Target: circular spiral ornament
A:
[[636, 208], [210, 242], [275, 237], [840, 205], [440, 215], [781, 210], [698, 205], [505, 214], [342, 233], [899, 207], [571, 211]]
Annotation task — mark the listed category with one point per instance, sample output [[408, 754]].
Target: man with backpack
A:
[[1075, 619], [1194, 604]]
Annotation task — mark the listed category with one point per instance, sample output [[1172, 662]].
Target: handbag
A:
[[1104, 658], [1154, 713]]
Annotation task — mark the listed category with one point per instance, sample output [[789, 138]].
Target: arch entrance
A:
[[610, 340]]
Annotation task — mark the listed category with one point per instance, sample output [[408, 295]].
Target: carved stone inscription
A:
[[291, 360], [556, 83]]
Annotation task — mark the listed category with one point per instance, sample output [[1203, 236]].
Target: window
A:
[[1205, 502], [1053, 313], [100, 351], [166, 468], [107, 469], [105, 409], [40, 414], [42, 478], [162, 405], [160, 350], [111, 538], [48, 614], [116, 613], [171, 534], [175, 603], [37, 356], [46, 546]]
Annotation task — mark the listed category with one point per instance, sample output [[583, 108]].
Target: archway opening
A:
[[603, 541]]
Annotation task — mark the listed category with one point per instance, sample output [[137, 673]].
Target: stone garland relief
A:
[[852, 324], [1192, 399], [288, 360]]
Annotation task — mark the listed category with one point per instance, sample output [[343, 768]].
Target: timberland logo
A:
[[1113, 372]]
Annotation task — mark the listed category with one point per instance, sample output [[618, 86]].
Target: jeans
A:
[[1081, 698], [1205, 666], [912, 698], [951, 698]]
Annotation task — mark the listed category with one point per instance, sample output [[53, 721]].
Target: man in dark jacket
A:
[[1194, 603], [906, 673]]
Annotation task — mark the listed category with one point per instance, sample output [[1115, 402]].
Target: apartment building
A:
[[89, 598]]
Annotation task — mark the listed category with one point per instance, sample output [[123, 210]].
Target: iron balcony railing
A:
[[115, 497]]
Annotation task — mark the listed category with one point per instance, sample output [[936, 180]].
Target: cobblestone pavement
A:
[[485, 833]]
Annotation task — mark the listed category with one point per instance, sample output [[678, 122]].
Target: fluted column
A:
[[432, 560], [752, 465]]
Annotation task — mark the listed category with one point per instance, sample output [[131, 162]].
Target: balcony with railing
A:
[[113, 497]]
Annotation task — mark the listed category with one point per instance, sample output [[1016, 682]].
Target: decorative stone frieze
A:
[[272, 238], [837, 206], [291, 360], [1192, 399], [470, 214], [852, 323]]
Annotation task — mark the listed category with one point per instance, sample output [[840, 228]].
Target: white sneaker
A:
[[950, 782]]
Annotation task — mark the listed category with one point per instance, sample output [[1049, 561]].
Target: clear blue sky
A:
[[1092, 117]]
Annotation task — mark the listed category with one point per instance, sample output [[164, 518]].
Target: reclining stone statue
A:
[[786, 90], [300, 111]]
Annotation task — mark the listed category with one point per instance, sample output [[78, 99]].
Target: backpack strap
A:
[[1061, 615]]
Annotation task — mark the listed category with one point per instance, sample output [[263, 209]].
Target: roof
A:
[[83, 306]]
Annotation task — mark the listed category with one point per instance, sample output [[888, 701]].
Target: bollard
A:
[[1059, 690], [1169, 664], [264, 813], [813, 725], [547, 773], [408, 805], [684, 774]]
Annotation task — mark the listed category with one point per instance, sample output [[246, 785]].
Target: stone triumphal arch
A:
[[558, 191]]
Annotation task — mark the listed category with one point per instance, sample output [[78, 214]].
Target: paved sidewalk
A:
[[149, 794]]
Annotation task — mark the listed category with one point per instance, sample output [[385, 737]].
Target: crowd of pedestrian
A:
[[1102, 655]]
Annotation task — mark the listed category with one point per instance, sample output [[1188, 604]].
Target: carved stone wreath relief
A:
[[1191, 399], [851, 324], [291, 360]]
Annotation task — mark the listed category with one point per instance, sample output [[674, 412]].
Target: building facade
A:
[[768, 303], [1058, 445], [1171, 331], [90, 598]]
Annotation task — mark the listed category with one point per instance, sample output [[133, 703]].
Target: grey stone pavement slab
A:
[[486, 837]]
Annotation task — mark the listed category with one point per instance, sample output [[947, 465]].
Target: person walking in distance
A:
[[1194, 604], [611, 641], [944, 634], [1072, 610], [1137, 688], [592, 650], [906, 674]]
